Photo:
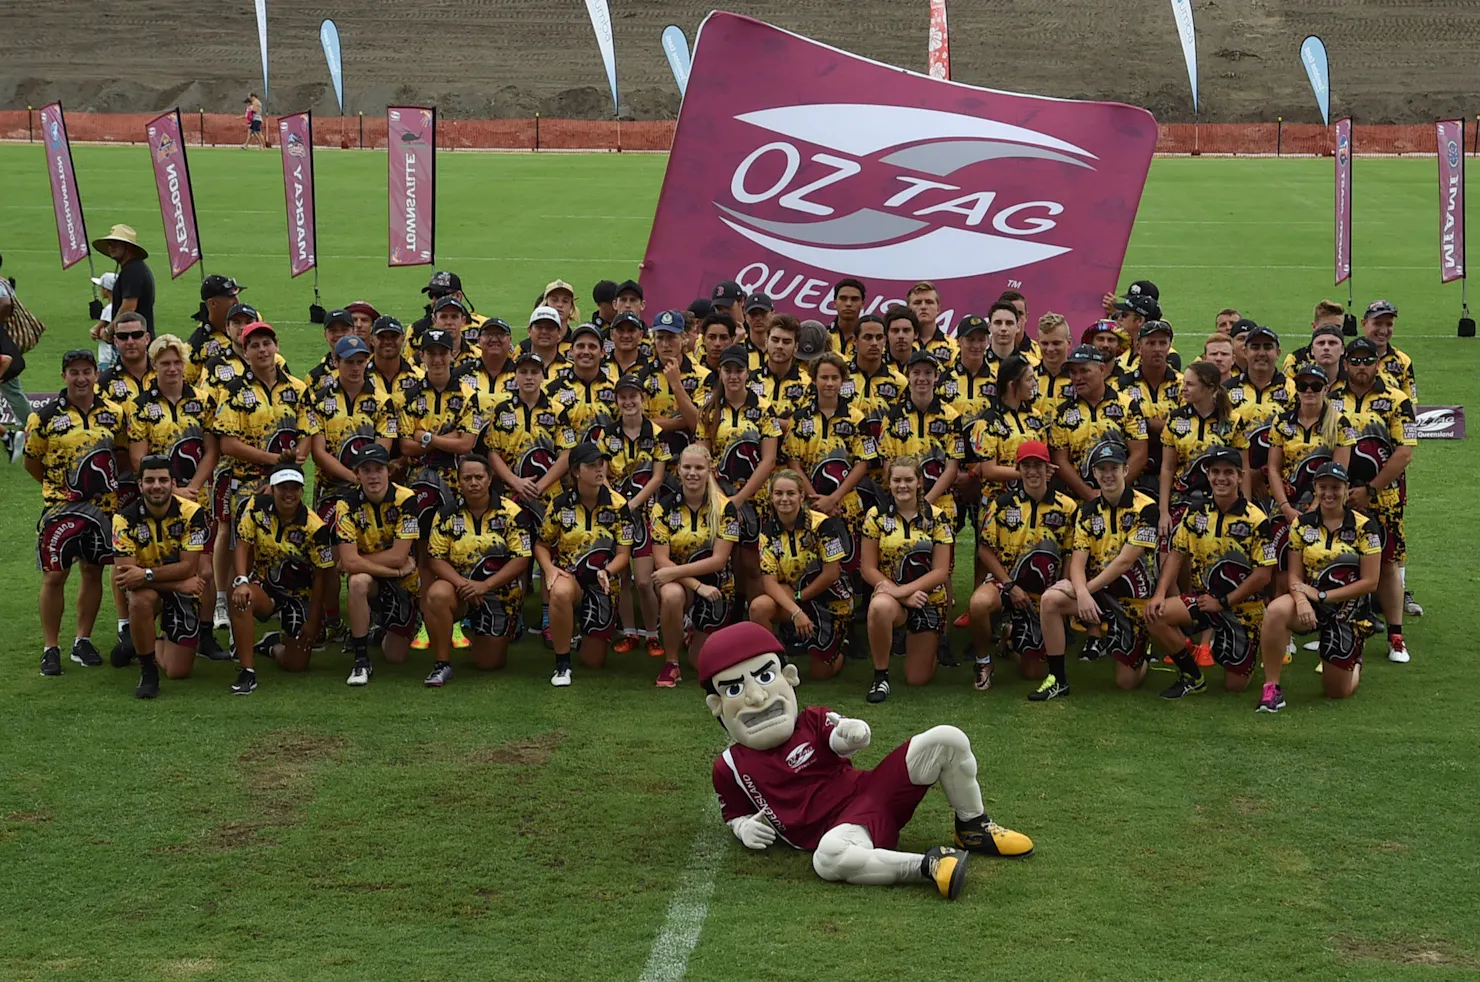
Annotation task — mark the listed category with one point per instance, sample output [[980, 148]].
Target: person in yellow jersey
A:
[[231, 362], [695, 534], [1112, 574], [1193, 430], [808, 598], [1225, 543], [284, 567], [672, 383], [627, 349], [1054, 382], [1155, 387], [1026, 346], [901, 337], [848, 297], [132, 372], [1327, 319], [872, 382], [479, 550], [921, 425], [1012, 419], [923, 300], [492, 376], [780, 380], [364, 316], [760, 314], [157, 546], [546, 339], [1098, 415], [583, 546], [451, 315], [905, 564], [218, 295], [350, 410], [718, 333], [587, 391], [1258, 395], [1002, 334], [1301, 440], [337, 324], [1024, 535], [829, 447], [392, 372], [968, 385], [1333, 566], [527, 438], [1218, 351], [562, 296]]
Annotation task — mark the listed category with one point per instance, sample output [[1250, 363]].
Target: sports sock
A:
[[122, 624], [1186, 663], [79, 640], [360, 646], [881, 675], [147, 660], [1394, 631], [1056, 668], [220, 596]]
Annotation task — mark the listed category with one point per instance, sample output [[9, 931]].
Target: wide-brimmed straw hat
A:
[[121, 233]]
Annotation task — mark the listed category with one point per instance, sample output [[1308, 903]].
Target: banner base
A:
[[1467, 326], [316, 314], [1349, 325]]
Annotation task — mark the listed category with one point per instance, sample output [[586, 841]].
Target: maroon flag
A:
[[295, 140], [412, 186], [825, 164], [1343, 200], [172, 179], [66, 202], [1451, 137]]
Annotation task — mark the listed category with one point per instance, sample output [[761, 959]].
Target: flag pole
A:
[[1466, 327]]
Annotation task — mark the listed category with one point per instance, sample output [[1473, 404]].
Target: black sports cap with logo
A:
[[1360, 346], [1085, 354], [1242, 326], [588, 452], [972, 324], [1379, 307], [1334, 470], [630, 381], [630, 286], [248, 311], [217, 285], [1142, 304], [79, 354], [758, 301], [371, 453], [449, 300], [436, 337], [727, 292], [1143, 288], [340, 316], [582, 330], [442, 283], [628, 319], [921, 357], [1108, 453], [1261, 331], [1224, 455], [387, 325]]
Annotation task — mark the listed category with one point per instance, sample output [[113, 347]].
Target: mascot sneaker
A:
[[946, 867], [982, 835]]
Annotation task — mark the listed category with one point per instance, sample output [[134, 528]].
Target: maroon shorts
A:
[[885, 799], [642, 539], [73, 532]]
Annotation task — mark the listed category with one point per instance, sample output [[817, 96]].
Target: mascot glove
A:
[[848, 736], [753, 831]]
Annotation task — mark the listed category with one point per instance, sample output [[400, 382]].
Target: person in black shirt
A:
[[134, 288]]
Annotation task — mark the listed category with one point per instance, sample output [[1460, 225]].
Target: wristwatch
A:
[[1222, 599], [1321, 596], [426, 439], [149, 575], [240, 581]]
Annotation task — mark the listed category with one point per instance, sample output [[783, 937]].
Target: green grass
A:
[[502, 829]]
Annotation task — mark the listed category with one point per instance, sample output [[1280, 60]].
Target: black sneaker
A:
[[210, 648], [1091, 650], [270, 640], [245, 684], [336, 630], [896, 642], [51, 661], [1185, 686], [148, 686], [878, 690], [983, 680], [1051, 688], [122, 654], [441, 675], [944, 657], [83, 653]]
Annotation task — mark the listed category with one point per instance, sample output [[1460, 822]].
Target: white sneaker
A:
[[360, 674], [1312, 646], [18, 450], [221, 620], [1397, 650], [561, 678], [1411, 607], [1290, 651]]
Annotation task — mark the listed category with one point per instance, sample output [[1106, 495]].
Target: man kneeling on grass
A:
[[157, 545]]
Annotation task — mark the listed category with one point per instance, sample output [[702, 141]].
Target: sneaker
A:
[[878, 690], [210, 649], [561, 678], [51, 661], [1311, 646], [626, 644], [270, 640], [944, 657], [1091, 650], [655, 647], [1411, 607], [17, 446], [1203, 655], [422, 641], [148, 686], [1271, 699], [1290, 652], [441, 675], [360, 674], [983, 680], [1186, 685], [336, 630], [459, 639], [245, 684], [83, 653], [221, 619], [547, 637], [1397, 650], [946, 868], [963, 621], [1051, 688], [670, 676], [123, 652], [982, 835]]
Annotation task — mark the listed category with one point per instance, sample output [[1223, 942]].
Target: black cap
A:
[[340, 316], [1241, 326], [496, 324], [1362, 344], [1332, 469], [386, 324], [758, 301], [701, 308], [1108, 453], [1143, 304], [528, 355], [1332, 329], [920, 356], [77, 354], [1312, 369], [450, 301], [587, 452], [581, 330], [1154, 327], [627, 317], [1143, 288], [1085, 354], [371, 453], [971, 324], [1379, 307], [630, 286], [630, 381], [1262, 331], [436, 337], [605, 291], [217, 285], [443, 282], [1224, 455], [735, 354], [247, 310], [726, 292]]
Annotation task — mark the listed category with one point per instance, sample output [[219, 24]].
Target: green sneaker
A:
[[422, 641], [1051, 688], [1186, 685]]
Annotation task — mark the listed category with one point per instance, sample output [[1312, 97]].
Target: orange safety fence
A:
[[369, 132]]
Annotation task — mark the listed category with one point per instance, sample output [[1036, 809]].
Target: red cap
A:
[[256, 327], [1031, 450], [729, 646], [362, 307]]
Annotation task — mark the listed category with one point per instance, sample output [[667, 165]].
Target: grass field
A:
[[503, 829]]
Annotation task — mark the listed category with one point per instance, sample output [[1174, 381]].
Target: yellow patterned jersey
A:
[[1191, 435], [164, 540], [478, 546], [632, 457], [75, 448], [173, 429], [1156, 401], [907, 545], [1031, 538], [795, 556], [316, 376], [1053, 389], [1080, 426], [285, 554], [687, 534], [272, 419], [933, 434], [1384, 420], [395, 384], [587, 403], [969, 393], [825, 448], [1103, 528], [1225, 547], [1305, 449], [997, 436], [118, 385], [1333, 559], [349, 424], [874, 392], [784, 392], [495, 386], [661, 403], [205, 344], [584, 540], [1255, 410], [736, 442], [943, 347], [1399, 367], [440, 412], [528, 438]]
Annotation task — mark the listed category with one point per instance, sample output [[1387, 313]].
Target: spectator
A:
[[254, 122], [133, 288], [101, 331], [11, 366]]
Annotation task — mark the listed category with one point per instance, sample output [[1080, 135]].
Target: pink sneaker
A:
[[670, 676]]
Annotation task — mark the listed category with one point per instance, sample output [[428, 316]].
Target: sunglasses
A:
[[1312, 386], [1361, 360], [130, 335]]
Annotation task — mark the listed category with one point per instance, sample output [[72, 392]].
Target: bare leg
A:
[[53, 596], [670, 611], [89, 597]]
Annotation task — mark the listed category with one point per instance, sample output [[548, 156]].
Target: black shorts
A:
[[256, 125], [77, 531], [494, 615], [179, 619], [1344, 629], [394, 607], [290, 609]]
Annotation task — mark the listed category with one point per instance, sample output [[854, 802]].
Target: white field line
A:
[[668, 959]]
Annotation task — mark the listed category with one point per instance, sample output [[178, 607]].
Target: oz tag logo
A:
[[921, 229]]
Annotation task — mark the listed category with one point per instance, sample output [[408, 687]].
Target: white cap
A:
[[286, 475], [544, 313], [105, 281]]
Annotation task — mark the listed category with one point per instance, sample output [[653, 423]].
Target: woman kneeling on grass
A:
[[1335, 561], [479, 550], [802, 556], [694, 537], [906, 560]]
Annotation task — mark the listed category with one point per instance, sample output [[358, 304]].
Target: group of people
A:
[[656, 477]]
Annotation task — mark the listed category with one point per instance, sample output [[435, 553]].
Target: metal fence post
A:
[[536, 131], [30, 127], [202, 125], [362, 131], [1279, 133]]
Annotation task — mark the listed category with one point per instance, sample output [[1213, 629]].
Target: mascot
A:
[[789, 776]]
